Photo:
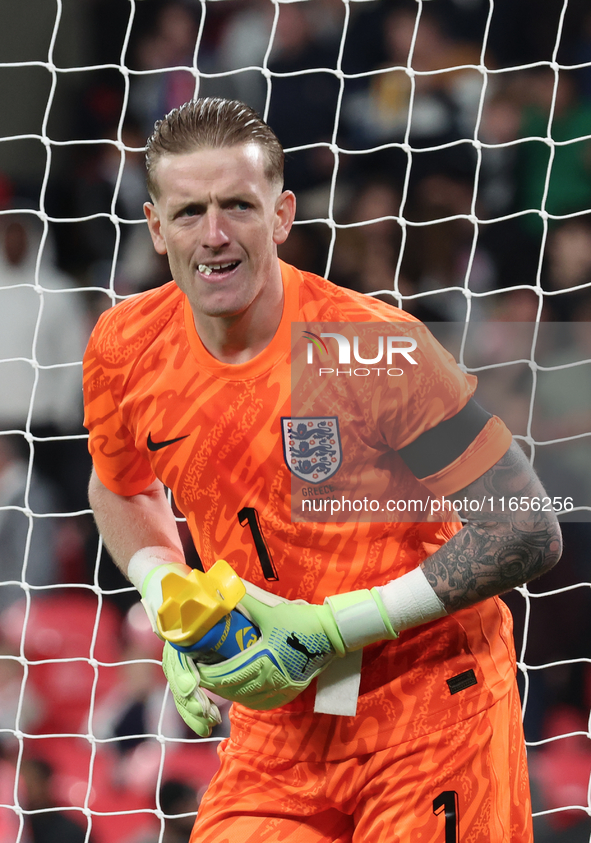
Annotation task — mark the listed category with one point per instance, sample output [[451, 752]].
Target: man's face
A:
[[219, 219]]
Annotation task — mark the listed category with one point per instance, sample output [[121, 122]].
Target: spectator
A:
[[303, 107], [562, 408], [366, 256], [44, 325], [36, 562], [515, 253], [439, 252], [244, 43], [444, 104], [567, 267], [133, 706], [43, 331], [170, 43], [46, 826], [569, 186], [101, 187], [501, 118], [179, 804]]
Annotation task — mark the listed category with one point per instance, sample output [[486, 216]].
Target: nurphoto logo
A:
[[387, 347]]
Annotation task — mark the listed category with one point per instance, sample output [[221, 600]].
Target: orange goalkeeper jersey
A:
[[239, 460]]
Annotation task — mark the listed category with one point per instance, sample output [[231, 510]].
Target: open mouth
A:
[[217, 268]]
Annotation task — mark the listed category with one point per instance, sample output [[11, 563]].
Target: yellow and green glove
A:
[[199, 712], [146, 570], [297, 641]]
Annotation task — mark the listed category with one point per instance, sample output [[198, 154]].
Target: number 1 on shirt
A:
[[249, 515]]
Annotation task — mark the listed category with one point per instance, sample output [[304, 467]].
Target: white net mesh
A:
[[440, 151]]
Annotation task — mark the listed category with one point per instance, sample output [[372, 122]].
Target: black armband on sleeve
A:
[[437, 448]]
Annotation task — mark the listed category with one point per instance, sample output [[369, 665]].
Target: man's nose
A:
[[215, 234]]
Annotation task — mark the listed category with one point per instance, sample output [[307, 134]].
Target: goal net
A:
[[441, 155]]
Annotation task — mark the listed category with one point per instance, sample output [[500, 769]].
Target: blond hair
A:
[[211, 122]]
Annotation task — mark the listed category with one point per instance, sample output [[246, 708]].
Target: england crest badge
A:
[[312, 447]]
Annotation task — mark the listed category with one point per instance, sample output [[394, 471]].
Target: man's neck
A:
[[240, 338]]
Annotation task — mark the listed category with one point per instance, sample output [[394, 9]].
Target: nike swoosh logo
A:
[[155, 446]]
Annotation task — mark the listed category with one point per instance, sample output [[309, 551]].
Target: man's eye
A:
[[189, 211], [242, 206]]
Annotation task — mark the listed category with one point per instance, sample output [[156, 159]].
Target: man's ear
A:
[[155, 228], [284, 216]]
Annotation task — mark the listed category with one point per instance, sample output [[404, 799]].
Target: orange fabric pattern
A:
[[159, 405], [464, 781]]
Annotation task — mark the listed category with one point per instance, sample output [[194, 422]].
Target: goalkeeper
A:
[[379, 702]]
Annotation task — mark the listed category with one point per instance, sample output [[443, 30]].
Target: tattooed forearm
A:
[[496, 551]]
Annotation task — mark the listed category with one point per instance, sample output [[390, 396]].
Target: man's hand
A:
[[297, 641], [193, 704]]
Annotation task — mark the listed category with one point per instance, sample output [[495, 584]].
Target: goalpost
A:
[[70, 674]]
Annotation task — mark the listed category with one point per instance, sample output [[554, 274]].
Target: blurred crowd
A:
[[415, 172]]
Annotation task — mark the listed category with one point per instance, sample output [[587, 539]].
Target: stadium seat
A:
[[58, 635]]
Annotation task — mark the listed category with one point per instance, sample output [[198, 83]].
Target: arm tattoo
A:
[[495, 551]]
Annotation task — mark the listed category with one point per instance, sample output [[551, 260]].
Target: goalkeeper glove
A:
[[194, 706], [146, 570], [297, 641]]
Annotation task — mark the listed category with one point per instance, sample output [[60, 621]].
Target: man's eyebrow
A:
[[183, 205], [224, 200], [243, 196], [238, 193]]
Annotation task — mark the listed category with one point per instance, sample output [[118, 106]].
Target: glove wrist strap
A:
[[146, 570], [142, 564], [360, 617]]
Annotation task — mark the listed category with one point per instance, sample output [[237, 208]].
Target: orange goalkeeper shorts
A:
[[467, 782]]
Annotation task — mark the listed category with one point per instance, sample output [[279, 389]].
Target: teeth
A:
[[206, 269]]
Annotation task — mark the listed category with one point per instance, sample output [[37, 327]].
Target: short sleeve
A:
[[117, 462]]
